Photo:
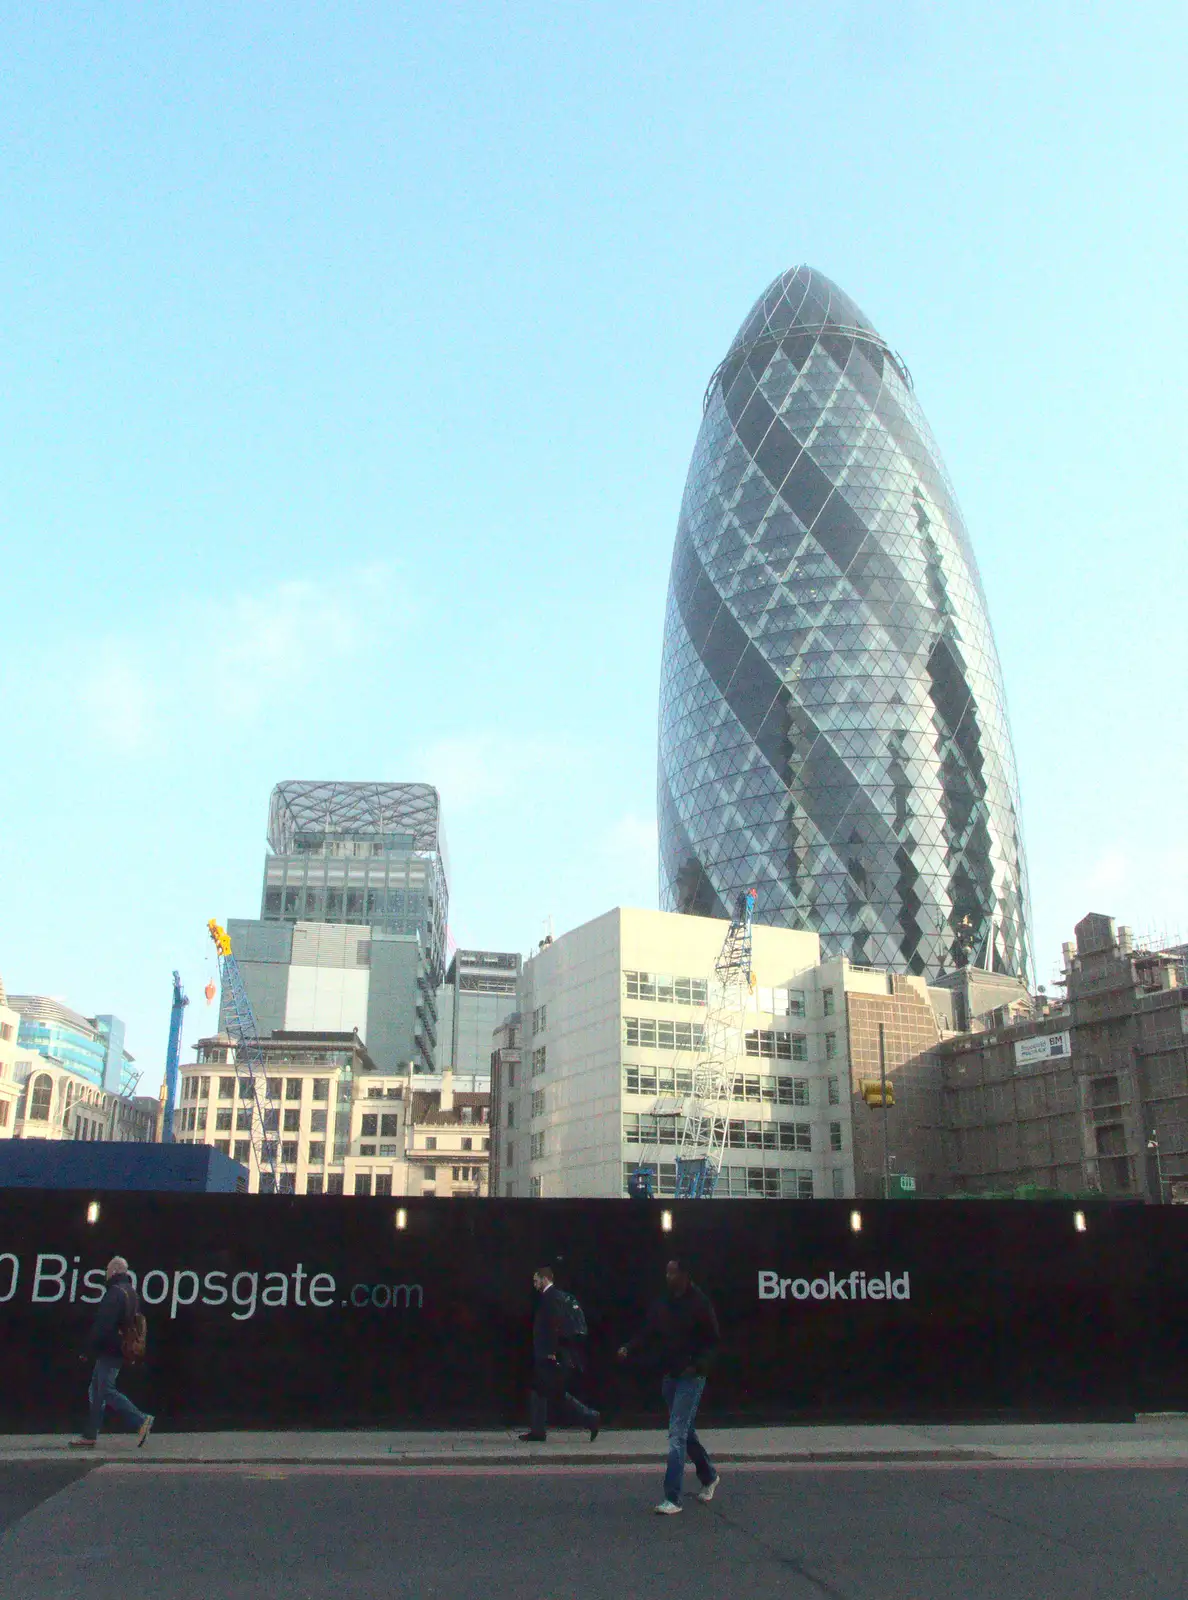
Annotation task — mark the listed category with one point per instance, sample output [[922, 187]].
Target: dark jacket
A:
[[682, 1331], [549, 1341], [117, 1308]]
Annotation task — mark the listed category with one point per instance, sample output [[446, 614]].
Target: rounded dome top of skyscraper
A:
[[833, 725]]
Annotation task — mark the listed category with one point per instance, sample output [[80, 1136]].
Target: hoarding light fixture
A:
[[401, 1218], [93, 1212], [1079, 1222], [855, 1222], [666, 1222]]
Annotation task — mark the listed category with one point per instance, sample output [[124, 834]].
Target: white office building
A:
[[612, 1017]]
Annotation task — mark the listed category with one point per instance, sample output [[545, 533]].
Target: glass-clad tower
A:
[[833, 728]]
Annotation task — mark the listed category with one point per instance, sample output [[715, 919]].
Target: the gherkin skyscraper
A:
[[833, 728]]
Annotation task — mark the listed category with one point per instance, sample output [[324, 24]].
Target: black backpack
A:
[[571, 1319]]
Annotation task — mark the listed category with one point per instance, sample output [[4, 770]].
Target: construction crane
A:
[[250, 1068], [702, 1140], [173, 1058], [703, 1111]]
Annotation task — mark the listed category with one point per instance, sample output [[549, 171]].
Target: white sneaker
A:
[[710, 1490], [667, 1509]]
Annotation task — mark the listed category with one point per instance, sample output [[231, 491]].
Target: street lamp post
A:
[[1153, 1144]]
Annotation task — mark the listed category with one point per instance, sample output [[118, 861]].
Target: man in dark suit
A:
[[556, 1357]]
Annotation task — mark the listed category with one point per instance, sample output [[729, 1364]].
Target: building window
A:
[[537, 1188], [369, 1127], [292, 1121], [288, 1183], [839, 1184], [223, 1121], [383, 1183], [267, 1152], [274, 1088], [4, 1114], [39, 1103], [243, 1151], [366, 1149], [317, 1122], [771, 1043], [431, 1142], [468, 1144], [243, 1119], [316, 1154], [314, 1183], [536, 1151], [292, 1088], [223, 1146], [321, 1088], [334, 1183], [646, 1033], [835, 1138], [538, 1103], [226, 1088], [271, 1120], [204, 1088], [362, 1183], [511, 1113], [267, 1183], [830, 1046], [538, 1061], [511, 1154], [827, 1001], [539, 1020], [665, 990], [389, 1125], [834, 1092]]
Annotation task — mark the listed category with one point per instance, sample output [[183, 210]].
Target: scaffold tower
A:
[[702, 1112]]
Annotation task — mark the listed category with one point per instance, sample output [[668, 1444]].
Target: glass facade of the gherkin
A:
[[833, 728]]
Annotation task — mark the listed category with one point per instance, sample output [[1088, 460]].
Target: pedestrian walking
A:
[[115, 1330], [682, 1330], [558, 1356]]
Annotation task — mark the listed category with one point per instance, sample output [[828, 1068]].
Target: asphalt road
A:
[[900, 1533]]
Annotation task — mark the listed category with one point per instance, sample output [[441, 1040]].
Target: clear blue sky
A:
[[351, 358]]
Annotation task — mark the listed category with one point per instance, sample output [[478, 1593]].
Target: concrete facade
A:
[[611, 1013], [478, 992]]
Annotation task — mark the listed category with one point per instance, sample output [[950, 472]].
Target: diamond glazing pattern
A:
[[833, 727]]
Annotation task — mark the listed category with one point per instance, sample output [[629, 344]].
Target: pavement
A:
[[1149, 1440]]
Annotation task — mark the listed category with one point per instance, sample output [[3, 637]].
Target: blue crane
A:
[[173, 1058]]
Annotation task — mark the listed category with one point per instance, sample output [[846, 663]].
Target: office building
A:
[[833, 727], [351, 936], [90, 1047], [612, 1018], [478, 992], [10, 1088], [342, 1126]]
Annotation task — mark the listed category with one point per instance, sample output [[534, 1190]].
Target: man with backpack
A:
[[558, 1352], [117, 1335]]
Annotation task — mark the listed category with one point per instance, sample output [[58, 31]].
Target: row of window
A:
[[646, 1128], [744, 1183], [664, 989], [198, 1088], [351, 905], [540, 1020], [745, 1086], [646, 1033], [539, 1060]]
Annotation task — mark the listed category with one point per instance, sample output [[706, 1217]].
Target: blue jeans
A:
[[682, 1397], [103, 1394]]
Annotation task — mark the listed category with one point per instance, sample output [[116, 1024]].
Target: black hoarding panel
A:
[[275, 1311]]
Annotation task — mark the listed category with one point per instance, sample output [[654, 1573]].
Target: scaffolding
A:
[[703, 1111]]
